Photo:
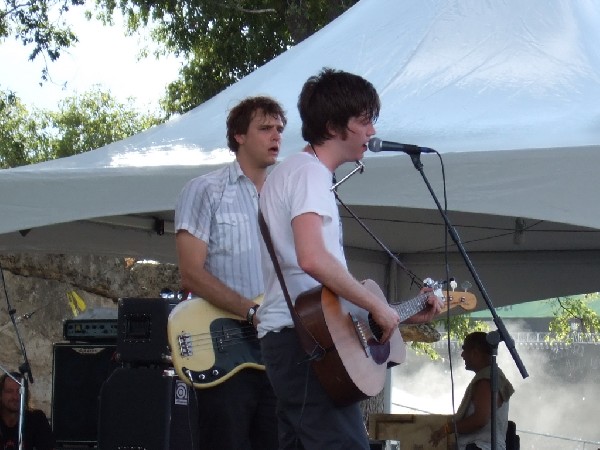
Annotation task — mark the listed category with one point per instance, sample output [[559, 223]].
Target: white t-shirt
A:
[[300, 184], [483, 437]]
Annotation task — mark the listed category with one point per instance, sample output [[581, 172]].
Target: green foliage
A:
[[91, 121], [573, 315], [37, 23], [424, 349], [222, 40], [457, 327], [82, 123], [20, 139]]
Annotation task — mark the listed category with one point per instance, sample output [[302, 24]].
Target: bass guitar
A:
[[209, 345], [353, 365]]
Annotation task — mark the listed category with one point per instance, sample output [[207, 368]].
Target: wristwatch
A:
[[250, 314]]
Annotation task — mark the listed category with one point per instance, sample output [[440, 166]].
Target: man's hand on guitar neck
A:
[[434, 306]]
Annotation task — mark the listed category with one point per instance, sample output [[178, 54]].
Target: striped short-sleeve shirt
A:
[[221, 209]]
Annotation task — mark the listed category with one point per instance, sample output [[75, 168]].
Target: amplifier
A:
[[90, 330], [147, 409], [78, 372], [142, 331]]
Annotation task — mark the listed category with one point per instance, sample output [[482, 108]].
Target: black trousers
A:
[[238, 414], [308, 420], [472, 447]]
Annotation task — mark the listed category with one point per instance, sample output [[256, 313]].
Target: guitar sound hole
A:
[[375, 329], [379, 352]]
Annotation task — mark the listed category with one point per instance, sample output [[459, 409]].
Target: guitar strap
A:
[[310, 345]]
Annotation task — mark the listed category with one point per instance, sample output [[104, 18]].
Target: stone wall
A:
[[37, 287]]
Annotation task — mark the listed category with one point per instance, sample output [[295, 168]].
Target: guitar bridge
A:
[[185, 345], [358, 327]]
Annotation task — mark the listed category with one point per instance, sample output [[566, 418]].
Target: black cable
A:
[[447, 318], [413, 277]]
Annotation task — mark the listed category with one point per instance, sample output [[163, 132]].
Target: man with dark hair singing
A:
[[338, 111]]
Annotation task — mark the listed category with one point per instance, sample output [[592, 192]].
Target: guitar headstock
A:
[[466, 300]]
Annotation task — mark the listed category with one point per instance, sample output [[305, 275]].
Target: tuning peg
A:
[[453, 284], [428, 282], [465, 285]]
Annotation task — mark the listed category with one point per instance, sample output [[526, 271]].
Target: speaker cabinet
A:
[[142, 331], [78, 372], [376, 445], [147, 408]]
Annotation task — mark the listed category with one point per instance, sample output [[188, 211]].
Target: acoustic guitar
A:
[[354, 362]]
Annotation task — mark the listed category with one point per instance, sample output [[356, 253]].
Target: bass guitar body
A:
[[209, 345]]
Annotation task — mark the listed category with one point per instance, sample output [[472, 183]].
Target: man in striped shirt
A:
[[219, 260]]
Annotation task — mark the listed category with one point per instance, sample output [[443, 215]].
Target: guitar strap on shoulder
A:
[[310, 345]]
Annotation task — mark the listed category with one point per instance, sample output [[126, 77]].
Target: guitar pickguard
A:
[[231, 347]]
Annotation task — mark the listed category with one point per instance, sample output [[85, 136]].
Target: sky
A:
[[103, 56]]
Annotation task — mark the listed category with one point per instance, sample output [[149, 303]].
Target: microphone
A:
[[377, 145]]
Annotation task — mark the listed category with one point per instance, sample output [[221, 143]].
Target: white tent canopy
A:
[[507, 92]]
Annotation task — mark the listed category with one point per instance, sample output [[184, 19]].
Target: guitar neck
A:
[[410, 307]]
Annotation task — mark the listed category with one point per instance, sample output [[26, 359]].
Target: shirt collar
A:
[[235, 172]]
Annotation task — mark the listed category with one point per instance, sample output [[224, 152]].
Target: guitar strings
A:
[[229, 337], [236, 335], [223, 338]]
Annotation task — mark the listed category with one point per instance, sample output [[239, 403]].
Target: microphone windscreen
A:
[[375, 144]]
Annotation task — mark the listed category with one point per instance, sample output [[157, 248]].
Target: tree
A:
[[82, 123], [222, 40], [19, 133], [573, 314], [38, 23], [92, 120], [457, 328]]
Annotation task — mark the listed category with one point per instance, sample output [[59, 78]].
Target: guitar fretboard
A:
[[410, 307]]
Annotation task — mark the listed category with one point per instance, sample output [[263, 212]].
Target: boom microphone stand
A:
[[24, 369], [495, 337]]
